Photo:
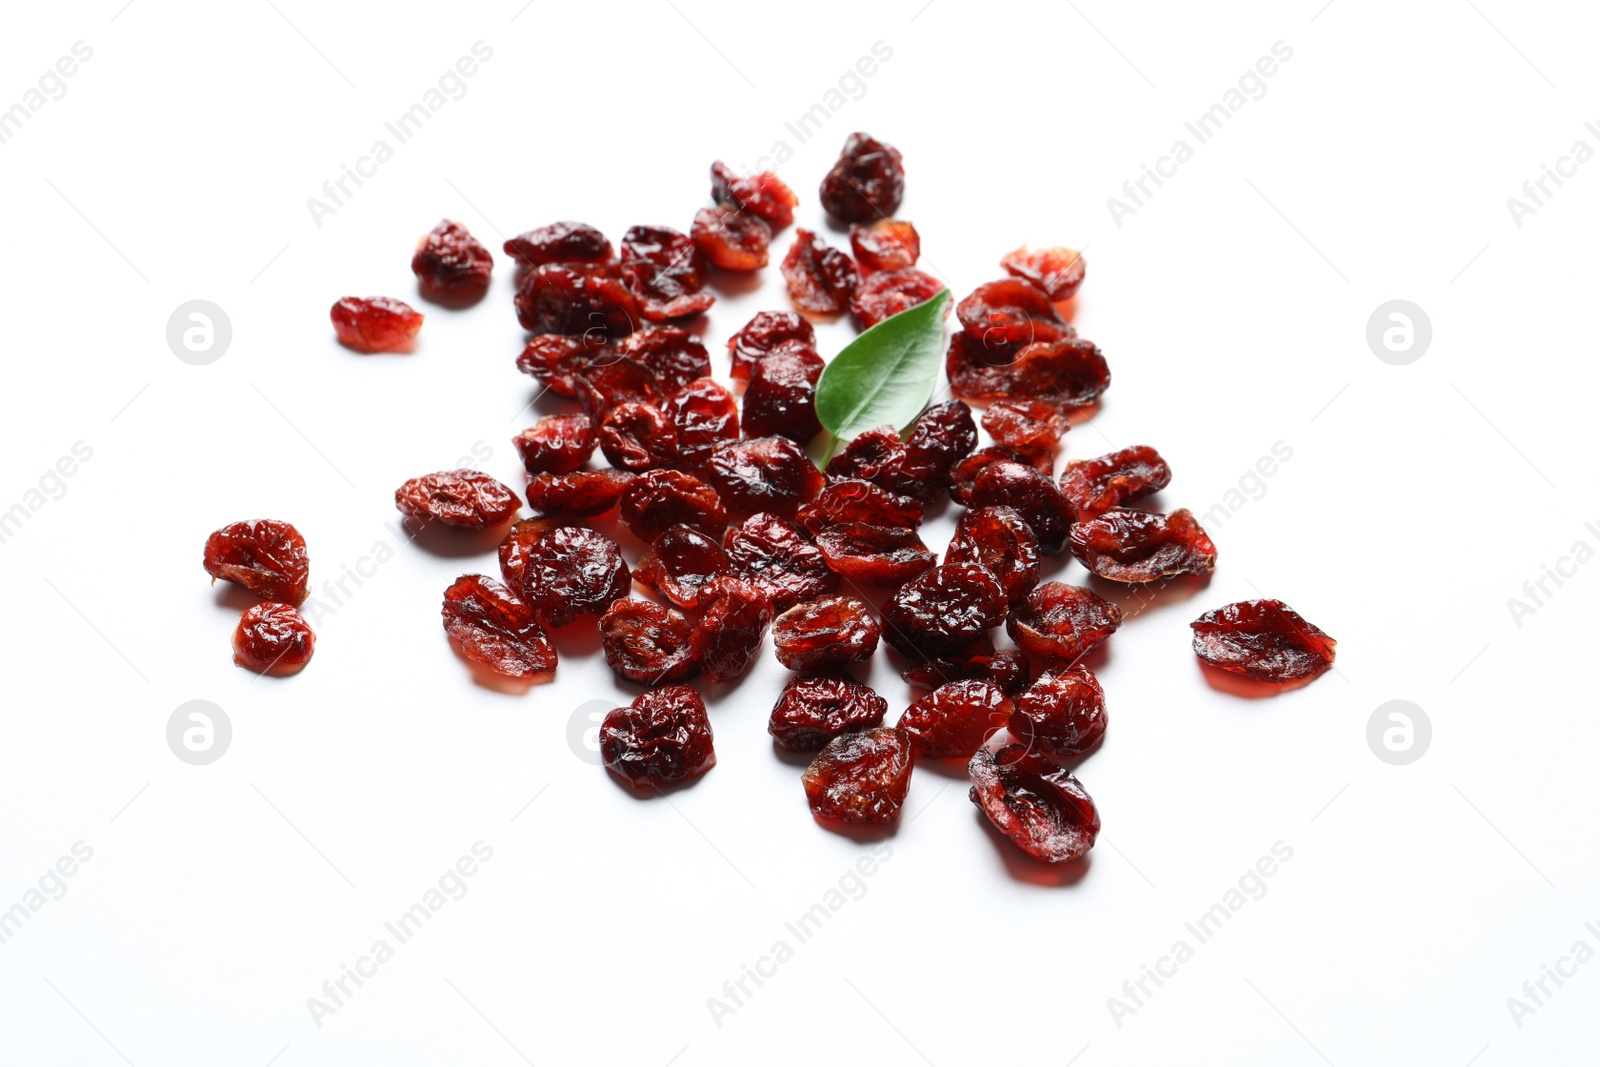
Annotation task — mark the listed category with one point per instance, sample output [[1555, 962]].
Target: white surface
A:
[[1418, 899]]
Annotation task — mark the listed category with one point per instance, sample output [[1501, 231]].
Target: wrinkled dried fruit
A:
[[730, 632], [273, 639], [1030, 428], [464, 499], [451, 264], [560, 242], [578, 299], [730, 238], [762, 474], [704, 414], [821, 278], [942, 436], [1060, 622], [674, 355], [564, 572], [867, 182], [875, 555], [890, 292], [557, 361], [773, 555], [1056, 271], [888, 244], [943, 612], [1070, 371], [556, 444], [663, 498], [581, 494], [610, 380], [637, 437], [666, 273], [648, 643], [781, 399], [860, 778], [764, 334], [683, 565], [830, 631], [1007, 669], [1265, 639], [661, 739], [762, 194], [375, 323], [875, 455], [1000, 540], [266, 556], [1010, 313], [854, 500], [495, 628], [1115, 479], [956, 719], [813, 709], [1136, 546], [1035, 803], [965, 473], [1063, 713], [1035, 497]]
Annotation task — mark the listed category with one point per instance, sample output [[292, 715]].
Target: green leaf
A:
[[886, 375]]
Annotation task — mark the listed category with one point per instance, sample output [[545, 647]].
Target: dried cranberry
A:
[[266, 556], [830, 631], [1034, 496], [1030, 428], [648, 643], [1039, 806], [1007, 669], [1060, 622], [1000, 540], [450, 264], [1136, 546], [774, 556], [1265, 639], [888, 244], [578, 299], [637, 437], [659, 499], [557, 361], [1056, 271], [1011, 312], [762, 474], [762, 194], [854, 500], [887, 293], [581, 494], [813, 709], [375, 323], [821, 278], [273, 639], [942, 612], [942, 436], [730, 631], [610, 380], [781, 399], [956, 719], [556, 444], [496, 629], [874, 455], [666, 272], [730, 238], [866, 183], [965, 473], [560, 242], [465, 499], [764, 334], [564, 572], [674, 355], [704, 414], [683, 565], [860, 778], [661, 739], [1117, 478], [875, 555], [1063, 713], [1070, 371]]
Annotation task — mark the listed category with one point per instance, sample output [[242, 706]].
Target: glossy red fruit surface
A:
[[1063, 713], [1057, 272], [638, 437], [559, 242], [1059, 622], [831, 631], [762, 194], [1137, 546], [273, 639], [557, 360], [451, 264], [648, 643], [375, 323], [773, 555], [496, 629], [266, 556], [1011, 313], [1112, 480], [854, 500], [813, 709], [556, 444], [564, 572], [943, 612], [765, 333], [1033, 495], [821, 278], [1001, 541], [683, 565], [860, 778], [1030, 428], [704, 414], [612, 379], [956, 719], [662, 739], [867, 183], [1264, 639], [1070, 372], [666, 272], [1007, 669], [942, 436], [762, 474], [888, 244], [660, 499], [730, 238], [1039, 806], [889, 292], [964, 474], [581, 494], [673, 354], [875, 555], [730, 632], [781, 399], [875, 455], [579, 299], [463, 499]]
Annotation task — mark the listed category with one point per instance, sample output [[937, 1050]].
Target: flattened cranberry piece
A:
[[494, 628], [730, 631], [999, 540], [1040, 807], [556, 361], [978, 372], [1060, 622], [860, 778], [942, 436], [556, 444], [1070, 371], [560, 242], [659, 499], [1007, 669], [704, 414], [943, 612], [1264, 639], [451, 264], [581, 494], [1063, 713], [781, 399], [813, 709], [661, 739], [266, 556], [1114, 479], [854, 500], [683, 565], [766, 333], [674, 355], [831, 631], [463, 499], [874, 455], [611, 379], [771, 554], [875, 555], [956, 719], [1136, 546], [578, 299], [888, 244], [648, 643], [1056, 271], [866, 183], [1035, 497], [762, 474], [563, 572], [666, 273], [1011, 312], [637, 437], [375, 323], [762, 194], [730, 238], [889, 292], [821, 278], [273, 639], [1030, 428], [964, 475]]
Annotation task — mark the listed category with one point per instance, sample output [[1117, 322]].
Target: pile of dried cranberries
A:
[[743, 534]]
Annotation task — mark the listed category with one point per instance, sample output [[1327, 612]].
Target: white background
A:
[[1232, 308]]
